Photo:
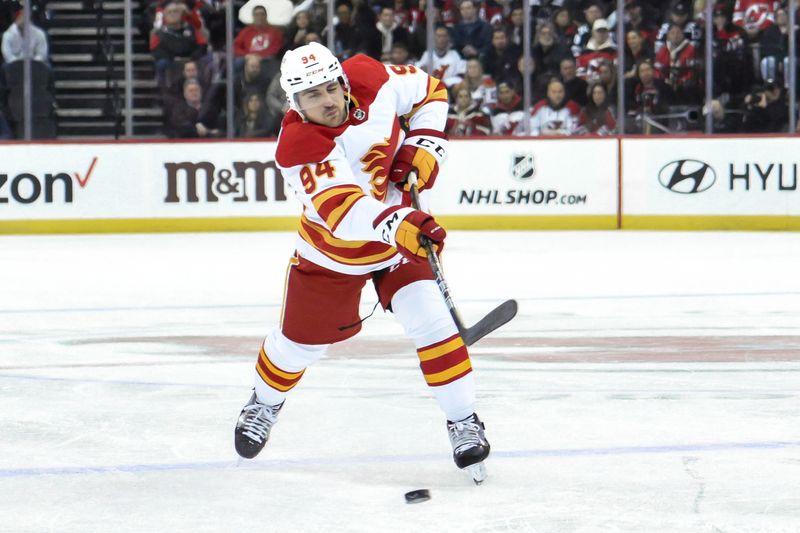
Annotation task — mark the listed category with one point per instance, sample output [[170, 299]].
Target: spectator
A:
[[191, 13], [547, 52], [254, 78], [466, 117], [259, 38], [576, 87], [565, 28], [13, 37], [554, 115], [733, 73], [500, 62], [646, 94], [402, 14], [679, 15], [298, 29], [447, 64], [724, 120], [345, 34], [538, 82], [638, 19], [480, 85], [400, 54], [188, 70], [637, 49], [507, 115], [676, 64], [597, 117], [252, 119], [774, 47], [766, 110], [592, 12], [317, 11], [385, 33], [181, 117], [277, 106], [176, 38], [472, 36], [607, 75], [756, 14], [598, 48], [515, 29]]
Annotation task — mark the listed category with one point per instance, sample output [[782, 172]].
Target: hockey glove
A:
[[415, 227], [422, 151]]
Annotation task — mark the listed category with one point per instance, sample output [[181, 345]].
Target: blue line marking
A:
[[383, 459]]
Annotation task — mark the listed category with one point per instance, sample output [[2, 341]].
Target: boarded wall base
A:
[[709, 223]]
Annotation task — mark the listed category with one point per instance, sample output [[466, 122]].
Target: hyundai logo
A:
[[687, 176]]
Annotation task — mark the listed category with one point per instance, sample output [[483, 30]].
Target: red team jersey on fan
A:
[[341, 174], [758, 13]]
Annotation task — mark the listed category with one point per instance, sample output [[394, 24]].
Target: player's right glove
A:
[[421, 152], [413, 228]]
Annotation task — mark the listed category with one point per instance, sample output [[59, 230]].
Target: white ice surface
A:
[[124, 361]]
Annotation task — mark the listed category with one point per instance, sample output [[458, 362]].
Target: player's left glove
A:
[[413, 229], [422, 151]]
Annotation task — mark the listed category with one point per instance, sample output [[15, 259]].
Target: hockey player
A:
[[345, 152]]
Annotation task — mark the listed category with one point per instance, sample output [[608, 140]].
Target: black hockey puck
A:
[[418, 496]]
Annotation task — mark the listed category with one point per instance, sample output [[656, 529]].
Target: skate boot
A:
[[253, 426], [470, 446]]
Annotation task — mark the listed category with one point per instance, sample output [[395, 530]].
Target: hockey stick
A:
[[500, 315]]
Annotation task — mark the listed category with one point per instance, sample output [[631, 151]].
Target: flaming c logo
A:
[[378, 161]]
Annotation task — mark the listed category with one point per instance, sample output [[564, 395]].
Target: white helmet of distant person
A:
[[308, 66]]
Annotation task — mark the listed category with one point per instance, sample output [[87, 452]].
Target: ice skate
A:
[[253, 427], [470, 446]]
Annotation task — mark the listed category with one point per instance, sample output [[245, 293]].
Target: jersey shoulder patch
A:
[[366, 76], [302, 142]]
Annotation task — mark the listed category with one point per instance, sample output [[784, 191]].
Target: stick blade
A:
[[500, 315]]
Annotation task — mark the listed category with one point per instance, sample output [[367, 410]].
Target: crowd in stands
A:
[[477, 52], [12, 28]]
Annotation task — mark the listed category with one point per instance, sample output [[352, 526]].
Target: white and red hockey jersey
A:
[[449, 68], [548, 121], [340, 175], [754, 13]]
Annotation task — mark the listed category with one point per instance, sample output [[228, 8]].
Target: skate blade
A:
[[477, 471]]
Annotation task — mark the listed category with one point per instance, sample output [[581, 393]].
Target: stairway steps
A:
[[88, 58], [101, 84], [57, 5], [100, 73], [91, 32], [82, 72], [84, 100], [67, 44], [89, 20], [98, 112]]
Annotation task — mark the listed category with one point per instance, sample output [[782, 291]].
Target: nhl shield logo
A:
[[359, 114], [522, 167]]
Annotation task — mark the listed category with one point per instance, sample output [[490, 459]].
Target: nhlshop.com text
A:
[[519, 196]]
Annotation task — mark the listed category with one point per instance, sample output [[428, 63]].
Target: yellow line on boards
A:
[[158, 225], [451, 222], [709, 222], [148, 225]]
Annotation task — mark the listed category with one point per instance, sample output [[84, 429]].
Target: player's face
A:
[[323, 104]]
